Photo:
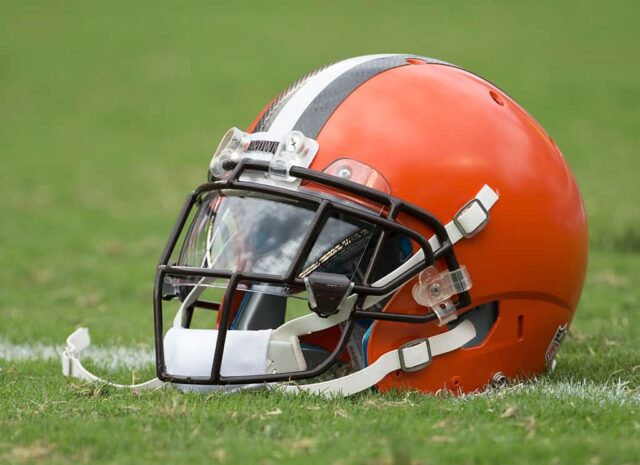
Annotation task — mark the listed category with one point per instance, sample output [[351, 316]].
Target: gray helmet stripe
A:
[[281, 100], [322, 107]]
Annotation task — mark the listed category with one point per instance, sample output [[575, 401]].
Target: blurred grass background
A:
[[109, 111], [108, 114]]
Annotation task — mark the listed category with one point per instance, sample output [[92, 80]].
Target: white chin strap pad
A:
[[189, 352]]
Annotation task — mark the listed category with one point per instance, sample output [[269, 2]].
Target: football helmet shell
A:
[[435, 132], [419, 150]]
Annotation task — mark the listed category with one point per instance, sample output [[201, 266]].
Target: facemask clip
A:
[[232, 147], [436, 288], [294, 150]]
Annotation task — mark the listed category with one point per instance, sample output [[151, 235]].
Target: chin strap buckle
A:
[[471, 218], [415, 355]]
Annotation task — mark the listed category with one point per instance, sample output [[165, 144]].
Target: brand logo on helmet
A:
[[561, 333]]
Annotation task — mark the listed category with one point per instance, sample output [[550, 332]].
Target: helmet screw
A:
[[295, 143], [344, 172], [435, 289]]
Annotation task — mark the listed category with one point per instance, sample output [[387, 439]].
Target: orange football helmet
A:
[[428, 224]]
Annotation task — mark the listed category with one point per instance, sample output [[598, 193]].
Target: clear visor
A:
[[243, 232], [266, 238]]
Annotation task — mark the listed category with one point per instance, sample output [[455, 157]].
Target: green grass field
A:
[[108, 115]]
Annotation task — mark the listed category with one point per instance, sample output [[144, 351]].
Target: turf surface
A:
[[107, 116]]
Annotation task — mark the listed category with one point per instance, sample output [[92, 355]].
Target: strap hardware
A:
[[327, 292], [408, 367], [466, 221]]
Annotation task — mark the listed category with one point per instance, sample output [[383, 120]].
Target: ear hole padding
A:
[[520, 327], [496, 97], [455, 382]]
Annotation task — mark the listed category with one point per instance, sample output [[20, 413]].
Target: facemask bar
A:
[[324, 207]]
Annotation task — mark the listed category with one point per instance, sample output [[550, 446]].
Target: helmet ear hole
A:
[[483, 318], [520, 327]]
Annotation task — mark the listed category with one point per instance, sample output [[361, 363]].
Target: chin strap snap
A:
[[412, 356]]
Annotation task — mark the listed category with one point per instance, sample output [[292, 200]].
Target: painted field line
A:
[[135, 358], [602, 393], [104, 357]]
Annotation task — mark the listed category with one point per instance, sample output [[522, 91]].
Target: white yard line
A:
[[105, 357], [134, 358], [574, 390]]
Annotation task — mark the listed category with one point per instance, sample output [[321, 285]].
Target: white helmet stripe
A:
[[307, 105], [297, 103]]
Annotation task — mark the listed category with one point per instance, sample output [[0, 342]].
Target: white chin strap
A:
[[411, 357], [78, 341], [189, 352]]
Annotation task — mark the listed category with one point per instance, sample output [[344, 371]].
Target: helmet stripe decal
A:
[[322, 107], [309, 102], [281, 100], [283, 114]]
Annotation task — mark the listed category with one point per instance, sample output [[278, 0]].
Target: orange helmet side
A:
[[437, 134]]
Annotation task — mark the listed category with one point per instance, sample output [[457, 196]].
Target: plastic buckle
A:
[[415, 342], [463, 210], [446, 311], [434, 289]]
